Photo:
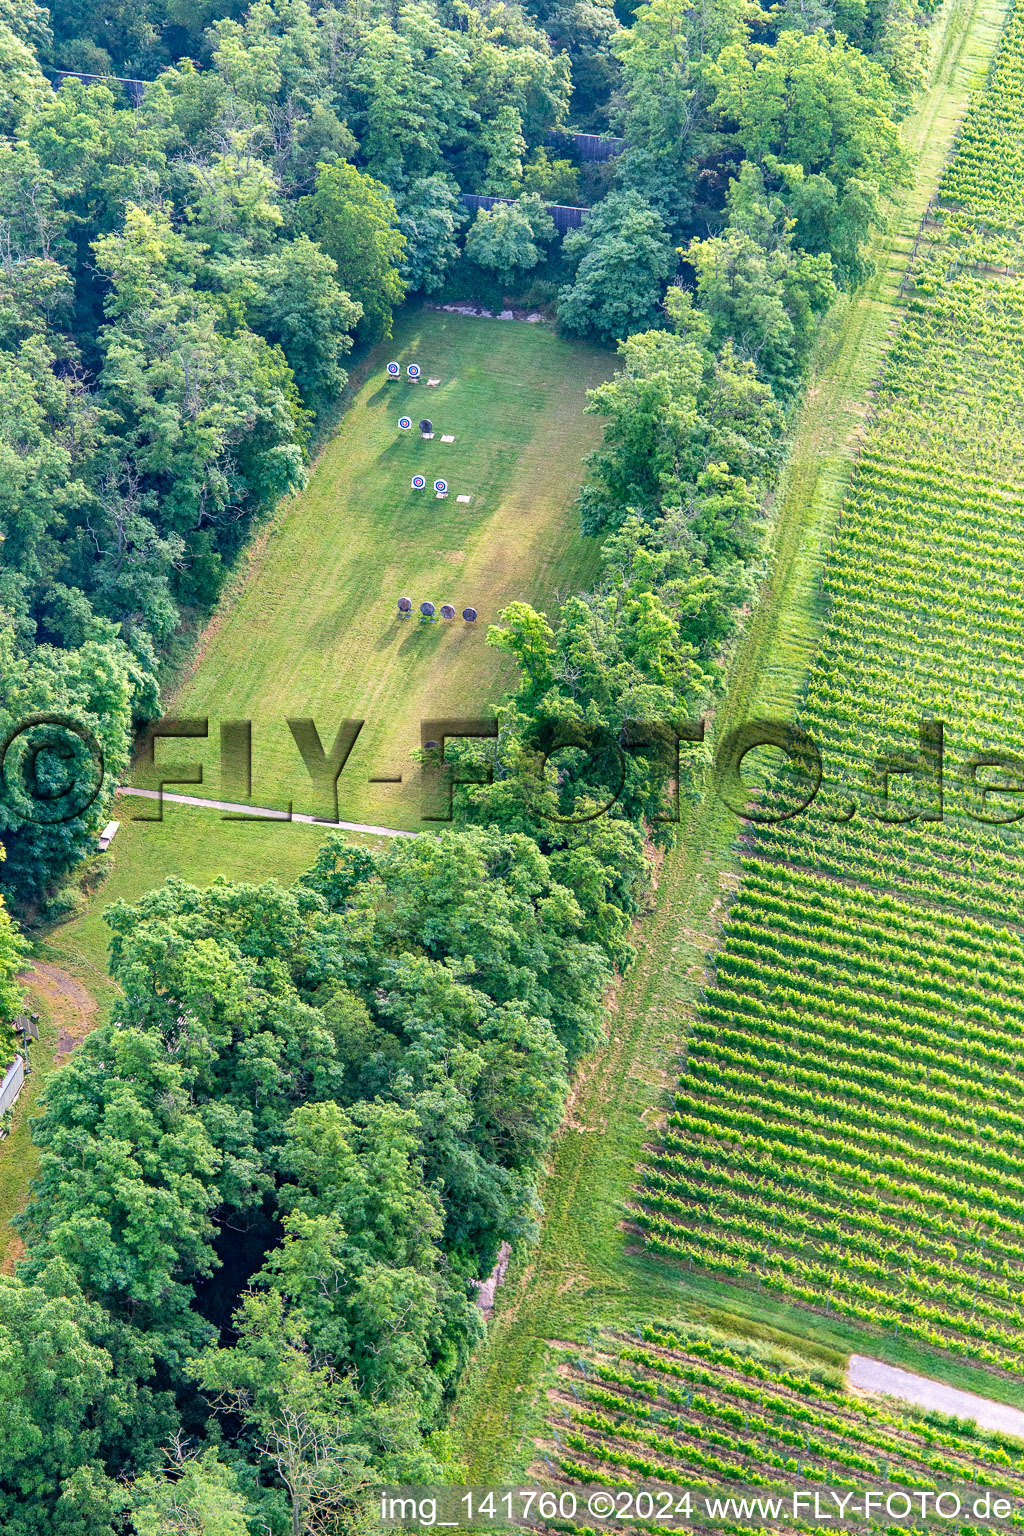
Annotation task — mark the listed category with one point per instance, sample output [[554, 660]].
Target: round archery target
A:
[[394, 370], [427, 610], [413, 370], [418, 482], [405, 422], [441, 487]]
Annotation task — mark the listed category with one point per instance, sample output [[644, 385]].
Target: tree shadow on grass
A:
[[422, 636], [387, 388]]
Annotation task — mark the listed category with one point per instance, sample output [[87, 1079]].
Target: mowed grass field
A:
[[310, 627], [314, 632]]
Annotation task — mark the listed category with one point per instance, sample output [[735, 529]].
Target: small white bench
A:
[[108, 834]]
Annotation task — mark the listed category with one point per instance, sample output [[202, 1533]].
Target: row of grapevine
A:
[[986, 177]]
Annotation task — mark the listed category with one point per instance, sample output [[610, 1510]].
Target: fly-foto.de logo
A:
[[52, 769]]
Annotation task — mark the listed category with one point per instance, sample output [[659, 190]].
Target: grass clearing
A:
[[310, 626], [314, 630], [194, 844]]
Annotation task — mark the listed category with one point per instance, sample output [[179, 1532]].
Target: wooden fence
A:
[[564, 216], [589, 146]]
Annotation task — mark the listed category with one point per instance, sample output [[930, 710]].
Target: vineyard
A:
[[679, 1406], [849, 1131], [986, 179]]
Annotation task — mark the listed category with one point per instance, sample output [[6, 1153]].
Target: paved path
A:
[[867, 1375], [262, 810]]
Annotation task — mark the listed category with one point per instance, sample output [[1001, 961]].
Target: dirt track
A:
[[262, 810], [71, 1004]]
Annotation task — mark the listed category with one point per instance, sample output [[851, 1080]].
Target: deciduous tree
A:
[[622, 258], [353, 218]]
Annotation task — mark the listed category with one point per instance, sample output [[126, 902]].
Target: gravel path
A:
[[866, 1375], [260, 810]]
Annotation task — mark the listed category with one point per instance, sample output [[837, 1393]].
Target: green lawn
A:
[[310, 626], [315, 632]]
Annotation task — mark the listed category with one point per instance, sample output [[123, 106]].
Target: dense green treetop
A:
[[353, 219]]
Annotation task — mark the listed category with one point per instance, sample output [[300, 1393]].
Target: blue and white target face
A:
[[440, 486], [413, 370], [394, 370], [405, 422], [418, 482]]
